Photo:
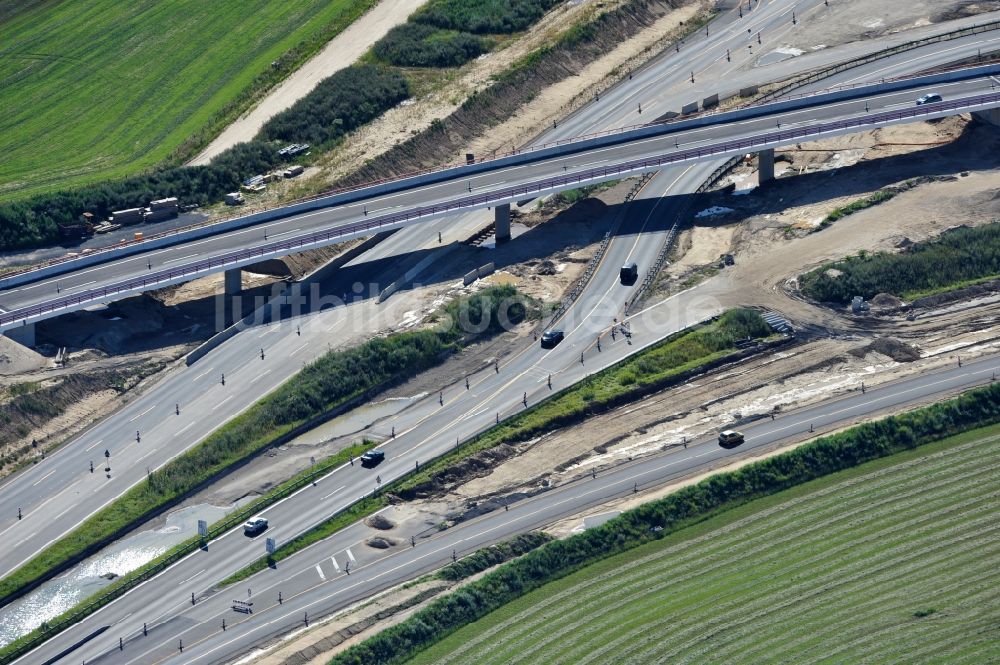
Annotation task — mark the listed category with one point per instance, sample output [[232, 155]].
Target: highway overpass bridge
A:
[[116, 273]]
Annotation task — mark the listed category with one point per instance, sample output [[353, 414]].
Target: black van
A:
[[629, 274]]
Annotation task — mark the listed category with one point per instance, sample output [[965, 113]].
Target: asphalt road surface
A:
[[59, 492], [317, 581]]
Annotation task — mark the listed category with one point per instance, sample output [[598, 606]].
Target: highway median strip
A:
[[690, 351]]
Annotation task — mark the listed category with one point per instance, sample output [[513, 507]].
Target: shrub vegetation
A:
[[954, 258], [485, 17], [420, 45]]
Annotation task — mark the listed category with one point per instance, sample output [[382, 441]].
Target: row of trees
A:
[[955, 257], [656, 519]]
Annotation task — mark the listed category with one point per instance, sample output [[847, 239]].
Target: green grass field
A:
[[895, 561], [106, 88]]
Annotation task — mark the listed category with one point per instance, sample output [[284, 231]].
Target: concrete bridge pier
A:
[[992, 116], [501, 215], [765, 166], [231, 308], [25, 335]]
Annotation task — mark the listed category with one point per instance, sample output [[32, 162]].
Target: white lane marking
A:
[[203, 373], [283, 233], [259, 377], [182, 258], [97, 443], [136, 417], [193, 576], [336, 565], [43, 477], [151, 451], [350, 555], [181, 430], [333, 492], [320, 571], [298, 349], [221, 403]]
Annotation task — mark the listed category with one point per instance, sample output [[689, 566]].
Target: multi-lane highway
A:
[[52, 512], [317, 580]]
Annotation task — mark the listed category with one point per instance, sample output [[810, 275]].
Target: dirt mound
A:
[[380, 523], [546, 267], [885, 301], [899, 351], [16, 359], [380, 543]]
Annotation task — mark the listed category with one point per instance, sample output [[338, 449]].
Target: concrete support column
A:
[[765, 166], [25, 335], [232, 306], [991, 116], [502, 219]]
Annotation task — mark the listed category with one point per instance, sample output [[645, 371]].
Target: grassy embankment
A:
[[876, 540], [98, 93], [333, 380], [622, 382], [956, 259]]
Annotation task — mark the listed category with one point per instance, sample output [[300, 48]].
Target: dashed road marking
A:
[[336, 566], [320, 571], [350, 555]]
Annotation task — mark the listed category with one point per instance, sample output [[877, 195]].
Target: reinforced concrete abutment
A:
[[765, 166], [501, 216], [992, 116], [25, 335]]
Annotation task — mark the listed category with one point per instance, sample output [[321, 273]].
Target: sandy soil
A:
[[340, 52], [848, 20]]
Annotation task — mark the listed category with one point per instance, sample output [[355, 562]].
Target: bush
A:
[[339, 104], [958, 256], [483, 16], [420, 45], [656, 519]]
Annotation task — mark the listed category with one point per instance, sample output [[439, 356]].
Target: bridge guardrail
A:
[[382, 223]]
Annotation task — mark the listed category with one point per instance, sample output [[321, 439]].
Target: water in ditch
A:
[[60, 594]]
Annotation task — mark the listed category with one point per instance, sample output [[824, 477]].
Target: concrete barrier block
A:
[[749, 91], [710, 101], [485, 270], [470, 277], [688, 109]]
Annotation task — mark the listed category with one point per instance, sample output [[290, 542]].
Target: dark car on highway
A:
[[372, 458], [629, 274], [929, 98], [730, 438], [551, 337]]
